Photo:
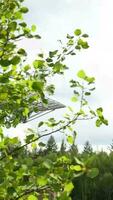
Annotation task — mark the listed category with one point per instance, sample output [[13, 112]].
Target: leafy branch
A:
[[41, 136]]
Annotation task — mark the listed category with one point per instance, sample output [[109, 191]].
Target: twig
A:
[[41, 136], [31, 191]]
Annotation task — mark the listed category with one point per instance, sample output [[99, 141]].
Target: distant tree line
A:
[[85, 188], [99, 187]]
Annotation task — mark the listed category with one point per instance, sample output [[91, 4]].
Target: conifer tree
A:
[[88, 150], [51, 145], [63, 146]]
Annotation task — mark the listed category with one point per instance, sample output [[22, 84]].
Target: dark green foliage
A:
[[101, 186], [63, 147], [74, 149], [87, 149], [51, 145], [111, 147]]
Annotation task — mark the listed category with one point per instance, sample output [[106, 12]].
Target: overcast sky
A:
[[54, 19]]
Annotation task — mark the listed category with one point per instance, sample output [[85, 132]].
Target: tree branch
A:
[[41, 136], [17, 37], [87, 118], [47, 134], [31, 191]]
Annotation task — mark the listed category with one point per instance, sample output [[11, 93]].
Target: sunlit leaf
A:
[[77, 32], [81, 74], [74, 99], [70, 139], [68, 187], [76, 168], [32, 197], [92, 173], [42, 181], [33, 28]]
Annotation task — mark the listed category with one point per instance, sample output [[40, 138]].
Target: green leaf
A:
[[87, 93], [50, 89], [16, 60], [70, 42], [76, 168], [77, 32], [33, 28], [53, 53], [78, 47], [27, 31], [45, 198], [81, 74], [47, 164], [11, 190], [37, 36], [92, 173], [90, 79], [34, 145], [5, 63], [41, 55], [70, 109], [22, 52], [58, 67], [64, 196], [24, 10], [40, 124], [42, 181], [18, 15], [99, 112], [29, 138], [78, 161], [74, 99], [92, 112], [38, 64], [14, 140], [49, 60], [37, 85], [41, 144], [3, 96], [26, 112], [26, 68], [69, 36], [98, 122], [64, 159], [13, 26], [68, 187], [23, 24], [83, 44], [32, 197], [105, 121], [85, 35], [92, 89], [70, 139]]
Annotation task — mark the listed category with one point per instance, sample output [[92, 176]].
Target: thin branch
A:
[[26, 193], [82, 96], [31, 191], [87, 118], [17, 37], [41, 136]]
